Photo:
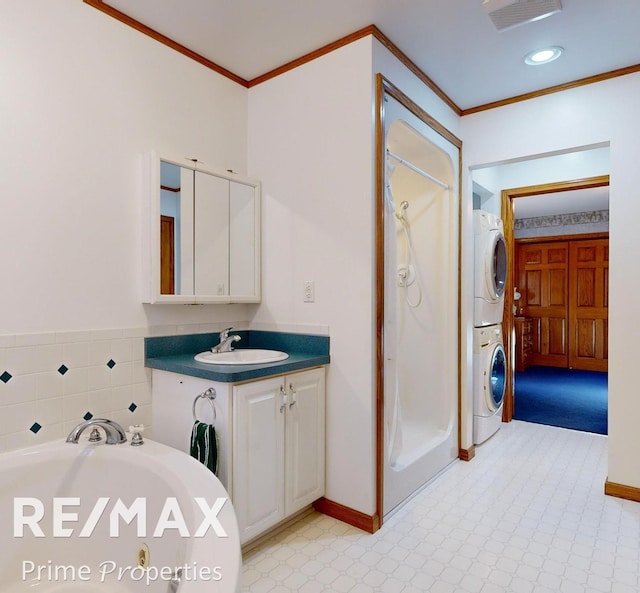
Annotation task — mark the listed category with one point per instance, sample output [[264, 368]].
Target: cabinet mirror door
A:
[[204, 235]]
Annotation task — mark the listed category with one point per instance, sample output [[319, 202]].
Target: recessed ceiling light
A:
[[543, 56]]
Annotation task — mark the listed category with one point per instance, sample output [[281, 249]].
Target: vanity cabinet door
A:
[[305, 439], [278, 449], [258, 455]]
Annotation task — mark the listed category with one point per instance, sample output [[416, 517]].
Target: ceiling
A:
[[454, 42], [565, 202]]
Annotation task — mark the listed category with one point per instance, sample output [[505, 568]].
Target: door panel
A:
[[557, 255], [556, 336], [258, 455], [565, 288], [304, 443], [543, 281], [533, 284], [588, 295], [558, 287]]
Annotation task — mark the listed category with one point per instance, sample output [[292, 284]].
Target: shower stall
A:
[[419, 349]]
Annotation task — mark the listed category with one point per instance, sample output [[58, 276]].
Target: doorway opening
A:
[[555, 322]]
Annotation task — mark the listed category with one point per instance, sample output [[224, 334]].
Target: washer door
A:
[[496, 378], [496, 266]]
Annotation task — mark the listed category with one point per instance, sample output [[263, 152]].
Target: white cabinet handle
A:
[[293, 396], [283, 405]]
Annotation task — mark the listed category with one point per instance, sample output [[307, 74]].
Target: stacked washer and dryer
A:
[[489, 361]]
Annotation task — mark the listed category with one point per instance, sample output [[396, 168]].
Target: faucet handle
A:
[[136, 430], [224, 334]]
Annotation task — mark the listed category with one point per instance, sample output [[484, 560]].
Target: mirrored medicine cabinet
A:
[[201, 234]]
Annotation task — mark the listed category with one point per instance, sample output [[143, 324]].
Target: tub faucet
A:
[[226, 341], [115, 433]]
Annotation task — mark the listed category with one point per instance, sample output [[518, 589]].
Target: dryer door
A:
[[496, 378], [496, 265]]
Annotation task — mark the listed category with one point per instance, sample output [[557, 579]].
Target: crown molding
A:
[[372, 30]]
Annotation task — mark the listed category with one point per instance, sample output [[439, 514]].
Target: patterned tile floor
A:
[[527, 515]]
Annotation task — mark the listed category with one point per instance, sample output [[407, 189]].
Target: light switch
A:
[[309, 291]]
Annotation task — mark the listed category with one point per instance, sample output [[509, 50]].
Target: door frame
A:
[[385, 88], [507, 207]]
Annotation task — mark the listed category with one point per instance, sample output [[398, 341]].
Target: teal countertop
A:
[[176, 354]]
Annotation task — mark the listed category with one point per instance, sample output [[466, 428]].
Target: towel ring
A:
[[209, 395]]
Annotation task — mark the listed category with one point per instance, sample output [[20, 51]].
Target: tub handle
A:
[[176, 577], [209, 395]]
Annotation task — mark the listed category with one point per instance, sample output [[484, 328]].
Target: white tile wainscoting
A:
[[49, 382], [52, 381]]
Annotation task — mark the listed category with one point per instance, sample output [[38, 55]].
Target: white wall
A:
[[576, 164], [594, 114], [82, 96], [311, 144]]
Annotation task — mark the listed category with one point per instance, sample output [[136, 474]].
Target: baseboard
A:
[[368, 523], [467, 454], [249, 546], [622, 491]]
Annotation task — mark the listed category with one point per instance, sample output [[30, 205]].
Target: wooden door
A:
[[167, 255], [588, 304], [543, 270]]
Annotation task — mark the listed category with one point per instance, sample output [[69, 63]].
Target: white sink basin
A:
[[244, 356]]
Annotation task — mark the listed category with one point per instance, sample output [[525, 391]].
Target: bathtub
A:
[[154, 499]]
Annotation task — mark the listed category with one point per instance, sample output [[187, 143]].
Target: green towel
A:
[[203, 445]]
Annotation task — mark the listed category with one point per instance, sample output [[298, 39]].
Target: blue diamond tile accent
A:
[[35, 427], [88, 416], [132, 407], [63, 369], [5, 377], [111, 363]]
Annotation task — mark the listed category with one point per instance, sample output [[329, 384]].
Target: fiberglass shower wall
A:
[[421, 227]]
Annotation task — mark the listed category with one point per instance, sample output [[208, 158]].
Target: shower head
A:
[[403, 207]]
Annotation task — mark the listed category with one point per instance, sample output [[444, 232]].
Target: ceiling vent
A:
[[507, 14]]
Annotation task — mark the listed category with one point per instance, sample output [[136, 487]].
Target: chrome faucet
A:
[[226, 341], [115, 433]]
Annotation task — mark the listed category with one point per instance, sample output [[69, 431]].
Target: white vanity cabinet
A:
[[172, 410], [278, 448], [271, 436]]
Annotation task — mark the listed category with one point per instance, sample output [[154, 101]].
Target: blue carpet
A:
[[562, 397]]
